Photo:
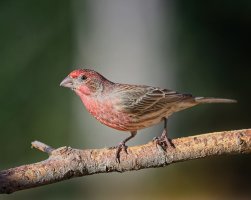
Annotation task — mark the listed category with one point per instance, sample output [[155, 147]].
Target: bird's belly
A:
[[131, 122], [108, 115], [148, 120], [124, 122]]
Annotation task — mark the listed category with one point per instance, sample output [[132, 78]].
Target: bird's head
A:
[[84, 82]]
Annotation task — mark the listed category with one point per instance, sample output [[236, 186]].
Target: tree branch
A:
[[66, 162]]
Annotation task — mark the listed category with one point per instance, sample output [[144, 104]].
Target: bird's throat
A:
[[83, 91]]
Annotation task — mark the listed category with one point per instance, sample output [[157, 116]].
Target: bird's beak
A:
[[67, 82]]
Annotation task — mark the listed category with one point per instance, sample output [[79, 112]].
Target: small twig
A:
[[42, 147], [65, 162]]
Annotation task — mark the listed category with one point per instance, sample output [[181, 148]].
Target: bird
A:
[[130, 108]]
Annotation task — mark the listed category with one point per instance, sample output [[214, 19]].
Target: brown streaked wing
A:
[[144, 99]]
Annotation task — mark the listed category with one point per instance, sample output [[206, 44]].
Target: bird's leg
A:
[[122, 145], [163, 140]]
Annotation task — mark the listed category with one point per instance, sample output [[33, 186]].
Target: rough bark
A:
[[66, 162]]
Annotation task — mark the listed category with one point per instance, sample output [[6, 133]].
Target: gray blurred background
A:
[[195, 47]]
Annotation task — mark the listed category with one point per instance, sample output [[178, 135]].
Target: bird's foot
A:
[[163, 141], [119, 148]]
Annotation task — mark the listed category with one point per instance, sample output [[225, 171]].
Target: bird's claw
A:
[[119, 148], [163, 141]]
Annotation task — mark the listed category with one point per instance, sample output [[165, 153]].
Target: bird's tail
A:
[[213, 100]]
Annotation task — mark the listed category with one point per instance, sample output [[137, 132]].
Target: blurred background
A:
[[195, 47]]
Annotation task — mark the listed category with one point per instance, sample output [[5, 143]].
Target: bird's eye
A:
[[83, 77]]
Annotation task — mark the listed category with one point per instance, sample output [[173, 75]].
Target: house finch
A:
[[130, 107]]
